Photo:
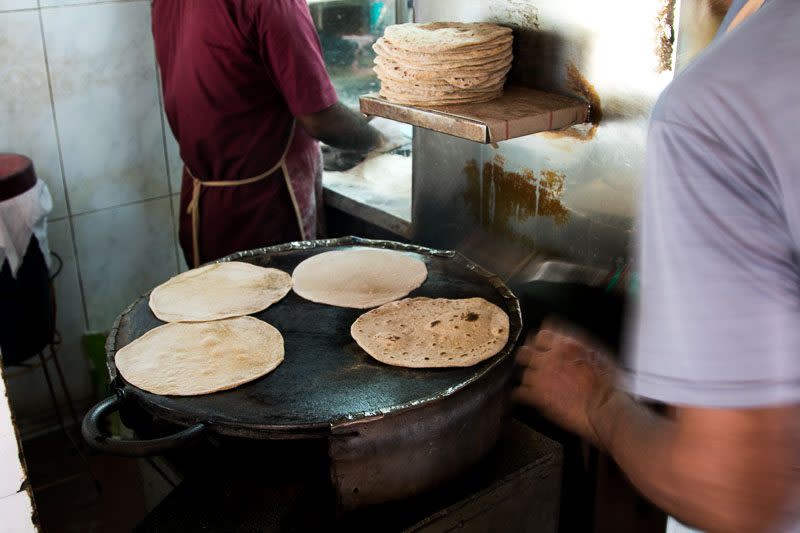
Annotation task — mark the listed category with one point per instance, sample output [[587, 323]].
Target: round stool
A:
[[26, 308], [27, 298]]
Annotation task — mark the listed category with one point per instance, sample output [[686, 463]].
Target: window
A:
[[347, 30]]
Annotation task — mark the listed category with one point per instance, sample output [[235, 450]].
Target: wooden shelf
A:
[[519, 112]]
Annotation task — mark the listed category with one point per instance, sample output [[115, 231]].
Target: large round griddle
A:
[[326, 378]]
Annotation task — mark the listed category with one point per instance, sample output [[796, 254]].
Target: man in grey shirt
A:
[[718, 328]]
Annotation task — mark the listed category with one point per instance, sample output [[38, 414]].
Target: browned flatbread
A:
[[386, 68], [443, 36], [423, 61], [489, 47], [188, 359], [440, 100], [422, 90], [432, 333], [443, 63], [359, 278]]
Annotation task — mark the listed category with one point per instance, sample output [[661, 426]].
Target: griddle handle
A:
[[103, 443]]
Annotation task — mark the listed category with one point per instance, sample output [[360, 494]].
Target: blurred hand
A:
[[394, 135], [334, 159], [565, 377]]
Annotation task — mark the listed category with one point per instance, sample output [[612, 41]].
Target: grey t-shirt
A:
[[719, 314]]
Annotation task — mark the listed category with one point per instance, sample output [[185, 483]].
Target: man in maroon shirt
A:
[[247, 96]]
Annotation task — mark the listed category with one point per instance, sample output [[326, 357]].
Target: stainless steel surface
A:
[[569, 195], [373, 461], [518, 112], [561, 272], [402, 11], [381, 212]]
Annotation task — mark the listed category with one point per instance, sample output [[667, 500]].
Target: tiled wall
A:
[[79, 95], [15, 502]]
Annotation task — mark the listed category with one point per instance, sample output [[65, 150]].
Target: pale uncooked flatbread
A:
[[188, 359], [441, 36], [432, 333], [359, 278], [220, 290]]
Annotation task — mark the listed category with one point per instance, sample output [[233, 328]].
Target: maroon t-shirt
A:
[[234, 72]]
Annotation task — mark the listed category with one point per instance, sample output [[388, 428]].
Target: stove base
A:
[[516, 488]]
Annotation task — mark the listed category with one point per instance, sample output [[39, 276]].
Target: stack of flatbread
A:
[[441, 63]]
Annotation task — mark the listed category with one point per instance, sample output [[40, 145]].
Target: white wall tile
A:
[[17, 513], [11, 5], [123, 253], [103, 74], [28, 389], [11, 473], [26, 117], [173, 159], [59, 3], [176, 209], [70, 319]]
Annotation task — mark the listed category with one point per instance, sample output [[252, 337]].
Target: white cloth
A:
[[21, 217]]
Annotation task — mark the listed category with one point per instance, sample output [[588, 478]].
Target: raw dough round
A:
[[189, 359], [217, 291]]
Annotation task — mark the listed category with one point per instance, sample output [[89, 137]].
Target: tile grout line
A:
[[162, 112], [63, 170], [126, 204], [57, 6], [89, 3]]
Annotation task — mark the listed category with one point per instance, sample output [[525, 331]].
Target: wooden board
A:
[[520, 111]]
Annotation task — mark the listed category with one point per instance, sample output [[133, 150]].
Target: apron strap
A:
[[197, 185]]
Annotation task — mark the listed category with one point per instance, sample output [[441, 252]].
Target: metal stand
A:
[[76, 445]]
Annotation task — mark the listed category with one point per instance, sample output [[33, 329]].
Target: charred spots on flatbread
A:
[[467, 332]]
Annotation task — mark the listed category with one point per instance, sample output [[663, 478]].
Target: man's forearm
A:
[[696, 480], [342, 128], [641, 442]]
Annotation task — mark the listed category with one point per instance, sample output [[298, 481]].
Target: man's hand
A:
[[342, 128], [714, 469], [394, 135], [340, 160], [565, 377]]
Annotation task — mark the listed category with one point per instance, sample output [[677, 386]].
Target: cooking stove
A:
[[247, 487]]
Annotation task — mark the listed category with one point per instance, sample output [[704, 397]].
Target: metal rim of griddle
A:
[[323, 429]]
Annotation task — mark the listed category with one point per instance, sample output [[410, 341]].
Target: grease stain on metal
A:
[[578, 84], [497, 197]]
